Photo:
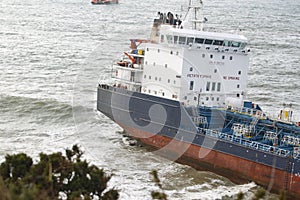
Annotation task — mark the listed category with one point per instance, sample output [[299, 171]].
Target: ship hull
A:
[[177, 139]]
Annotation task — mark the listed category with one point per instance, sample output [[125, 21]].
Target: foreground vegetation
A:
[[53, 177], [58, 176]]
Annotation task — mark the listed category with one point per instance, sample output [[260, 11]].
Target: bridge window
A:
[[190, 40], [182, 40], [235, 44], [162, 38], [170, 39], [243, 45], [175, 39], [208, 41], [218, 42], [227, 43], [199, 40]]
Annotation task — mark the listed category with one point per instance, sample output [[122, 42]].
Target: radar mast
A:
[[194, 17]]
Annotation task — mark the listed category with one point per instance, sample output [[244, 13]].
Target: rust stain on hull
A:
[[237, 169]]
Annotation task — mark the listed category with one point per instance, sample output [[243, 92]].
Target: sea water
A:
[[53, 53]]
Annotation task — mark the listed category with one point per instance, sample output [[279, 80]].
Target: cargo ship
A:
[[183, 93]]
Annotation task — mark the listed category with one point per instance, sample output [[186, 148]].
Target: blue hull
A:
[[169, 119]]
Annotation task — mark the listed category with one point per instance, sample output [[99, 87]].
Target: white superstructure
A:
[[185, 63]]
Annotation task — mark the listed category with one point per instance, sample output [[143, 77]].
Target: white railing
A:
[[245, 142]]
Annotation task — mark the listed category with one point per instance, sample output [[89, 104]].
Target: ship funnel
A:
[[193, 18]]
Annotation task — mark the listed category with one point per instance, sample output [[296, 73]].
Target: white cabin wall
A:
[[229, 70], [165, 68]]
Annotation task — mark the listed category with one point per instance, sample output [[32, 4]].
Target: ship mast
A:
[[194, 17]]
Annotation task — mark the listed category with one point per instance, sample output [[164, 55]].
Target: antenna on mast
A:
[[194, 15]]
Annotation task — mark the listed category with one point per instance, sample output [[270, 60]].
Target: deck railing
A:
[[247, 143]]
